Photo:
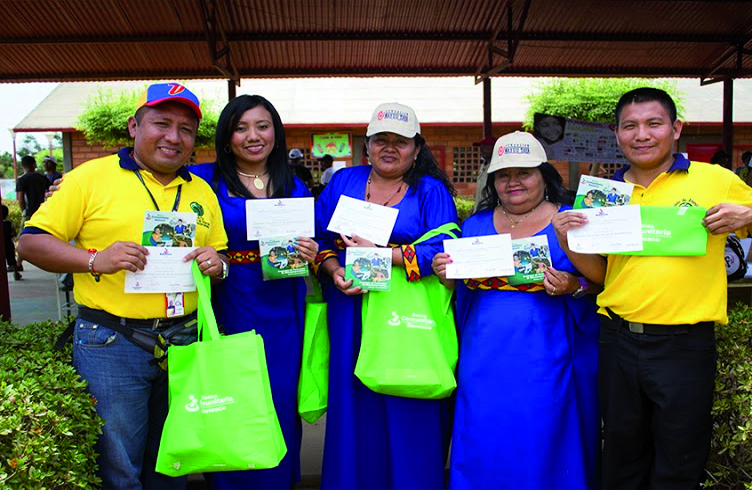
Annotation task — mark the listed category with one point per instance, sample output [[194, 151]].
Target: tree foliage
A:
[[105, 118], [590, 99]]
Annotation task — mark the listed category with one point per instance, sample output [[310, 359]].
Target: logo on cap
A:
[[394, 114], [516, 148], [381, 115], [175, 88]]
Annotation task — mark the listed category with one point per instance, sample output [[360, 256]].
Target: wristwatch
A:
[[225, 270], [582, 290]]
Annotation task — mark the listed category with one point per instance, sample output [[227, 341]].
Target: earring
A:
[[414, 162], [545, 195], [227, 149]]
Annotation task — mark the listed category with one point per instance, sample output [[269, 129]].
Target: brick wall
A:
[[81, 151]]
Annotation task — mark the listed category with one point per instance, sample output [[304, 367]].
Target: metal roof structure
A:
[[66, 40]]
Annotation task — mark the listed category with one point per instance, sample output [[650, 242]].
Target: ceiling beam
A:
[[345, 36], [738, 51], [513, 40], [216, 41], [266, 72]]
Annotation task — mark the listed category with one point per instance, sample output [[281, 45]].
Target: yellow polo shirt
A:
[[676, 290], [102, 202]]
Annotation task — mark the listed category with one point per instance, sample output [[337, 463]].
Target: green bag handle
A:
[[445, 229], [207, 322]]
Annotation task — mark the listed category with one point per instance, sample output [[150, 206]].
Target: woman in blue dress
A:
[[526, 415], [373, 440], [252, 164]]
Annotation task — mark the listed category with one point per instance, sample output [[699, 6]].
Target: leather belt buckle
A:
[[636, 327]]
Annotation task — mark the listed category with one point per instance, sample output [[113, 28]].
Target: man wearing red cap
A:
[[486, 148], [101, 208]]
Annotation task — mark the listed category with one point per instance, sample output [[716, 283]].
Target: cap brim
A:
[[503, 165], [407, 134]]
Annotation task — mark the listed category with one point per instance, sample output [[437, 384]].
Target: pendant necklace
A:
[[257, 182], [513, 223], [368, 192]]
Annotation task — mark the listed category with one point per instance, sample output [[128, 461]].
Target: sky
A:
[[16, 101]]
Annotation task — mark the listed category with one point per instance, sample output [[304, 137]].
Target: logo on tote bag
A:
[[394, 321], [209, 403], [415, 320]]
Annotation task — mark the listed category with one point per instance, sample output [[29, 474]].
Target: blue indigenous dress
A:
[[275, 309], [526, 414], [373, 440]]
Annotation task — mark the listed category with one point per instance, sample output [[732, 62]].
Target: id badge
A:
[[175, 305]]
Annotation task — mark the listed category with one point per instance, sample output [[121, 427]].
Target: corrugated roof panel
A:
[[110, 39]]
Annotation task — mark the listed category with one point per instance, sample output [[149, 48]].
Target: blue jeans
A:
[[131, 397]]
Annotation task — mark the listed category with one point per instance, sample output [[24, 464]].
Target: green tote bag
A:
[[313, 384], [409, 342], [221, 415]]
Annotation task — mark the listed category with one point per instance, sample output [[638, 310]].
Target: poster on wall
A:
[[577, 141], [337, 145]]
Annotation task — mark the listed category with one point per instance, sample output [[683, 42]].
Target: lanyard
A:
[[177, 196]]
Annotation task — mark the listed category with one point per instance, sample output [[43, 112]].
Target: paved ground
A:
[[36, 297]]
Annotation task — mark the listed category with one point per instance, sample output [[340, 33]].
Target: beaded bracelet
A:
[[93, 252]]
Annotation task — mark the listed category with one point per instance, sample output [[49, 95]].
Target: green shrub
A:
[[465, 207], [48, 424], [730, 462], [590, 99], [105, 118]]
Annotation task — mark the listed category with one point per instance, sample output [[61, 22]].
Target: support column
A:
[[487, 122], [728, 118]]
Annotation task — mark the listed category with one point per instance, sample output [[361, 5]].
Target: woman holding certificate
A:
[[252, 164], [527, 403], [374, 440]]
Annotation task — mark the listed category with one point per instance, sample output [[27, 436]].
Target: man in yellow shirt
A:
[[657, 347], [102, 207]]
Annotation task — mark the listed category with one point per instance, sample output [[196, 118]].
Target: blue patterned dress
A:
[[526, 415], [373, 440], [275, 309]]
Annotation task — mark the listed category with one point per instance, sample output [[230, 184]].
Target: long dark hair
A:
[[555, 190], [425, 164], [280, 175]]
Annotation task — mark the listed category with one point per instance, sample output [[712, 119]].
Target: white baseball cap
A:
[[295, 153], [394, 118], [518, 149]]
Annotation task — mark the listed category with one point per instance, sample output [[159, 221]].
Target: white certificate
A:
[[480, 256], [266, 218], [165, 272], [365, 219], [614, 229]]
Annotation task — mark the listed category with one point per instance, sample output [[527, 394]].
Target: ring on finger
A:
[[208, 262], [553, 291]]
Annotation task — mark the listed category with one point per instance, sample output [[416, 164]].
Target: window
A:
[[465, 164]]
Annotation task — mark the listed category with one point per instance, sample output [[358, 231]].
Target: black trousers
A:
[[656, 393]]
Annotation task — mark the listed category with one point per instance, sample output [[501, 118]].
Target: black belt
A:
[[653, 329], [100, 316]]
